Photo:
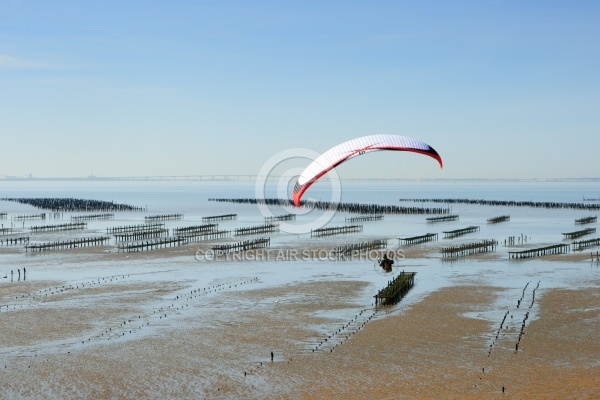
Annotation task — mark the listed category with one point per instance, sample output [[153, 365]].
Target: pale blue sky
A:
[[501, 89]]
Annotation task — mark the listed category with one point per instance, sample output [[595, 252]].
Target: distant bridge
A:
[[213, 177]]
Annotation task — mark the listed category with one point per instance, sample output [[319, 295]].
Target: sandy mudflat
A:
[[95, 342], [431, 351]]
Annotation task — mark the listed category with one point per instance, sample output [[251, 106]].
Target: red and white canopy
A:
[[356, 147]]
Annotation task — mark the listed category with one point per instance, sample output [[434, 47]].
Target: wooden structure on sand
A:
[[134, 228], [73, 205], [152, 244], [443, 218], [586, 220], [223, 217], [242, 246], [460, 232], [336, 230], [499, 219], [256, 230], [198, 236], [355, 208], [74, 226], [92, 217], [30, 216], [13, 241], [163, 217], [428, 237], [181, 239], [283, 217], [396, 289], [540, 251], [512, 203], [364, 218], [576, 234], [584, 244], [469, 249], [68, 244], [195, 229], [141, 235], [360, 247]]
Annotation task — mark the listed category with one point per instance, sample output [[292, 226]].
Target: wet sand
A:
[[130, 339]]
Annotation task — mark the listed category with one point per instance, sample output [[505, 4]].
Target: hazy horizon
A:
[[250, 178]]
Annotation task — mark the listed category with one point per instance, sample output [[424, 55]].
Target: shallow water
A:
[[533, 226], [224, 299]]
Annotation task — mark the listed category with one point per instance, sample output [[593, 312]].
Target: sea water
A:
[[531, 227]]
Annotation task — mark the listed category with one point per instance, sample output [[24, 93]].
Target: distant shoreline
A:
[[249, 178]]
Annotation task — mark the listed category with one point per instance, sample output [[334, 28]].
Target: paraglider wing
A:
[[356, 147]]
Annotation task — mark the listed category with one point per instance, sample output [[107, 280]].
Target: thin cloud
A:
[[12, 62]]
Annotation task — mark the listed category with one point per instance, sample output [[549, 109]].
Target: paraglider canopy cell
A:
[[356, 147]]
